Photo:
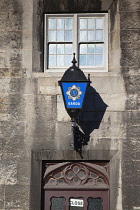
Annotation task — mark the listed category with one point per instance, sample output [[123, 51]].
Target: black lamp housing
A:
[[73, 86]]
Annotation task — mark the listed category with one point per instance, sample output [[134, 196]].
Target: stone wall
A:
[[130, 70], [15, 68], [34, 123]]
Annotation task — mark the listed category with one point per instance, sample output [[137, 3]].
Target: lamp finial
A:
[[74, 60]]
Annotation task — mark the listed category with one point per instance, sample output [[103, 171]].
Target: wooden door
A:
[[76, 186], [76, 200]]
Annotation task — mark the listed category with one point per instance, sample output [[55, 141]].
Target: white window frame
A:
[[75, 41]]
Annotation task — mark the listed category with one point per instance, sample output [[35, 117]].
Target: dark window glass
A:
[[95, 204], [57, 203]]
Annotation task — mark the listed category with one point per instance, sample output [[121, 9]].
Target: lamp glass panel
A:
[[73, 101]]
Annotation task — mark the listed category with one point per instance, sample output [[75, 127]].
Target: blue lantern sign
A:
[[74, 94], [73, 85]]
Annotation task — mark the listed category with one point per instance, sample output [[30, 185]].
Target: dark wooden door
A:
[[76, 200], [76, 186]]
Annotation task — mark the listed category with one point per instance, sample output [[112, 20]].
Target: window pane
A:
[[91, 23], [91, 36], [91, 60], [83, 49], [52, 35], [83, 36], [99, 35], [70, 174], [91, 48], [68, 35], [93, 175], [99, 23], [95, 204], [68, 48], [58, 175], [76, 169], [83, 23], [68, 59], [100, 180], [75, 179], [99, 60], [60, 36], [68, 23], [81, 174], [83, 60], [60, 181], [52, 180], [60, 48], [52, 23], [57, 203], [52, 60], [52, 49], [60, 60], [60, 23], [60, 40], [99, 48]]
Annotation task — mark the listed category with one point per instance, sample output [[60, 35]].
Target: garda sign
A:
[[74, 94], [77, 202]]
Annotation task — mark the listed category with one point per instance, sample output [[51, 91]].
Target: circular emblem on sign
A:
[[74, 92]]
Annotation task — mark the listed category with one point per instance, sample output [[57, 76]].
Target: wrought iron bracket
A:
[[79, 138]]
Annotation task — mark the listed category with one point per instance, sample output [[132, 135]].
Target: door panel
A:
[[77, 186], [95, 203], [76, 200], [57, 203]]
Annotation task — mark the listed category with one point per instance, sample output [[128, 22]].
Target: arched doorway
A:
[[76, 186]]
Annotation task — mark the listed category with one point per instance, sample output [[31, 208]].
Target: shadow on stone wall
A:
[[89, 118]]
